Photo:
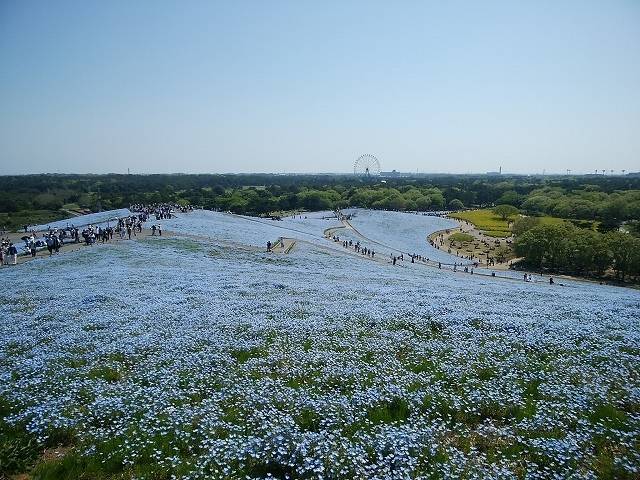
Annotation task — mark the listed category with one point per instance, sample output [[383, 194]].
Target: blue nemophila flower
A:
[[184, 354]]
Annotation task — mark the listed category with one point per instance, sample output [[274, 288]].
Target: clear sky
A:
[[301, 86]]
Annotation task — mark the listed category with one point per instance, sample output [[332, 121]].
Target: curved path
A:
[[480, 271]]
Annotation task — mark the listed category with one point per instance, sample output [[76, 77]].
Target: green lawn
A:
[[546, 220], [461, 237], [486, 221]]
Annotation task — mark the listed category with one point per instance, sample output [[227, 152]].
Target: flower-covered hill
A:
[[206, 357]]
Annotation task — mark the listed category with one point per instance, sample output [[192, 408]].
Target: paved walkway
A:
[[73, 247]]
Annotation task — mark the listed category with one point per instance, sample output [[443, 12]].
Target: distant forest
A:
[[611, 200]]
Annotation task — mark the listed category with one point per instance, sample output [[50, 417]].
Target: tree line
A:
[[565, 248], [610, 200]]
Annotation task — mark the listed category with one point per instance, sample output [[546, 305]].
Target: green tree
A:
[[423, 203], [524, 224], [623, 248], [558, 249], [537, 204], [510, 197], [614, 211], [437, 200], [456, 204], [531, 245], [589, 253], [505, 211]]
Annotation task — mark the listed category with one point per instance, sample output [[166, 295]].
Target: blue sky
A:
[[243, 86]]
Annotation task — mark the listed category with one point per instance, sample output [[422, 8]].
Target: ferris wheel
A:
[[366, 165]]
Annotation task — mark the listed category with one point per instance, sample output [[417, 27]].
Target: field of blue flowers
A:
[[202, 356]]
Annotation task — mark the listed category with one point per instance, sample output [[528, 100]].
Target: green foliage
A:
[[609, 416], [510, 197], [505, 211], [624, 250], [395, 410], [461, 237], [456, 204], [35, 199], [106, 373], [567, 249], [524, 224], [242, 356], [18, 449]]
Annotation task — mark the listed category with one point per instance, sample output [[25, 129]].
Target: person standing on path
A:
[[159, 230], [50, 244], [12, 254]]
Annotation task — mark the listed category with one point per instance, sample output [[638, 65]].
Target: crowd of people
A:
[[54, 239]]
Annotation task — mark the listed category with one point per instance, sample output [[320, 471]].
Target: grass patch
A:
[[395, 410], [19, 449], [461, 237], [484, 220], [108, 374], [242, 356], [74, 362], [486, 373], [609, 416], [308, 420]]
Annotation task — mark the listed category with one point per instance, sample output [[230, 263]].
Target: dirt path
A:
[[481, 247], [73, 247], [283, 245]]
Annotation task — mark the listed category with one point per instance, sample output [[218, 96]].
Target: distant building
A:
[[396, 174]]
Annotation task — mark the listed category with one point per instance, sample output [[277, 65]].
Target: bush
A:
[[456, 204]]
